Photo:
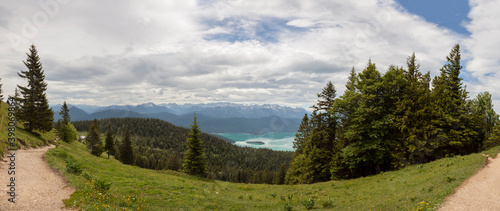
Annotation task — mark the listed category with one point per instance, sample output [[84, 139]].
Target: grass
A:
[[419, 187], [24, 138]]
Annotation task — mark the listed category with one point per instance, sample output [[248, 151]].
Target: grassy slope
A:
[[27, 139], [417, 187]]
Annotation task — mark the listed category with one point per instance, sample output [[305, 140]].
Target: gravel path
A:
[[37, 186], [480, 192]]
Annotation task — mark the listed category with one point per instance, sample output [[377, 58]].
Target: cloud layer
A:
[[281, 51]]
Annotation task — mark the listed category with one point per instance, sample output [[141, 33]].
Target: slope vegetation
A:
[[161, 145], [24, 138], [416, 187]]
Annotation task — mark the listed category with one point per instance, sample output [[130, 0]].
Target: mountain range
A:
[[212, 117]]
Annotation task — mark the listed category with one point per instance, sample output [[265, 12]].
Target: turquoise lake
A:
[[275, 141]]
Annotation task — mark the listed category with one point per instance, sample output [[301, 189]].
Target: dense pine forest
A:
[[387, 121], [161, 145]]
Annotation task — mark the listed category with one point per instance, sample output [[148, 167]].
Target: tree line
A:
[[160, 145], [388, 121]]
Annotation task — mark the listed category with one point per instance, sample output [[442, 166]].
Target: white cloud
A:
[[482, 48], [240, 51]]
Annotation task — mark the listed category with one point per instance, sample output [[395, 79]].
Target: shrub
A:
[[288, 207], [328, 204], [309, 204], [87, 177], [102, 185], [73, 167]]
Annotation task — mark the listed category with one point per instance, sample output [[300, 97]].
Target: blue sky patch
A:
[[451, 14]]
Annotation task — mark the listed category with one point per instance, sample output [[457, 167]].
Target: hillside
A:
[[417, 187], [24, 138], [161, 145]]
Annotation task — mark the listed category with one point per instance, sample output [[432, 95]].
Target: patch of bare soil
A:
[[480, 192], [37, 186]]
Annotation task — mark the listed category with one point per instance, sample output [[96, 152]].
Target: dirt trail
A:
[[37, 186], [480, 192]]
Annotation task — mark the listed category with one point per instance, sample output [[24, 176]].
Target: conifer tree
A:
[[126, 150], [482, 108], [458, 133], [301, 135], [280, 178], [34, 110], [366, 150], [1, 95], [194, 158], [65, 130], [65, 113], [93, 139], [413, 117], [315, 142], [109, 143]]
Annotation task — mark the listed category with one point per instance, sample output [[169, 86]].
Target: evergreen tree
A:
[[367, 150], [17, 99], [414, 118], [34, 111], [65, 114], [194, 159], [65, 130], [93, 139], [301, 135], [315, 142], [109, 143], [280, 178], [482, 108], [1, 95], [458, 134], [126, 150]]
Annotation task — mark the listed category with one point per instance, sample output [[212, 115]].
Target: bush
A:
[[102, 185], [328, 204], [288, 207], [87, 176], [73, 167], [309, 204]]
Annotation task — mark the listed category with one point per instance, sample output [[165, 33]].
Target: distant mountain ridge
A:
[[212, 117]]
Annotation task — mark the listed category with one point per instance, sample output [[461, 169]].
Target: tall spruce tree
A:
[[65, 130], [344, 109], [109, 143], [65, 113], [458, 133], [366, 151], [34, 111], [126, 150], [316, 142], [194, 158], [93, 139], [301, 135], [413, 118]]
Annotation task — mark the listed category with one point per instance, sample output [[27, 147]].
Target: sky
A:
[[253, 52]]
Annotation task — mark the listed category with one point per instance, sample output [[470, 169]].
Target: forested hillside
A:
[[160, 145]]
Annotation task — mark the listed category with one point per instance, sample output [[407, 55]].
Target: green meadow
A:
[[418, 187]]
